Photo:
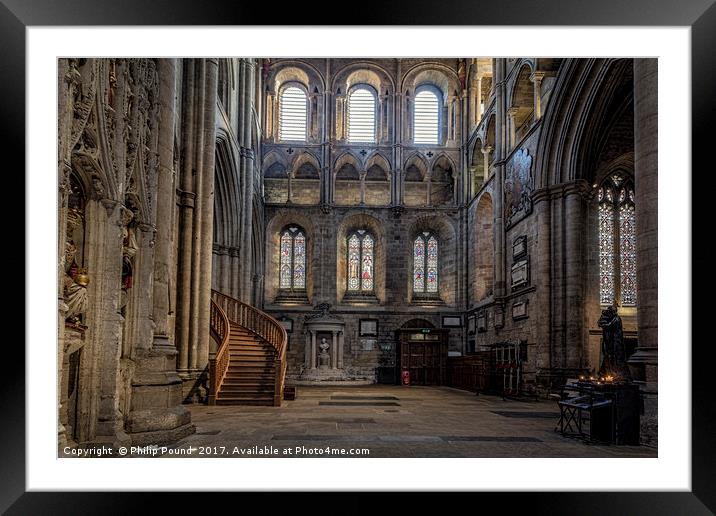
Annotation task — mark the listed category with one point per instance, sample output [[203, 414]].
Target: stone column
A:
[[644, 362], [362, 188], [157, 414], [536, 78], [207, 208], [163, 240], [340, 349], [186, 200], [512, 129], [313, 349], [334, 349], [246, 172], [501, 148], [574, 218], [542, 278], [478, 100], [486, 151], [307, 350]]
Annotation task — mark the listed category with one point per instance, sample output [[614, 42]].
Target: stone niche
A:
[[324, 352]]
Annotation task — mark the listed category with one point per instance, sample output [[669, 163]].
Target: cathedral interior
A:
[[272, 238]]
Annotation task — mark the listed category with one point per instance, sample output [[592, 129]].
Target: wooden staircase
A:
[[249, 367]]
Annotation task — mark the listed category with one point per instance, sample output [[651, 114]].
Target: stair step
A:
[[245, 401]]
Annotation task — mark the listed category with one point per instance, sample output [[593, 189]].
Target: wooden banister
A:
[[219, 364], [258, 322]]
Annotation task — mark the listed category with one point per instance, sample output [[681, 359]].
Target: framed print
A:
[[197, 196], [450, 321]]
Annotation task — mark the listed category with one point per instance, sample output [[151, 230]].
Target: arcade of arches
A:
[[487, 200]]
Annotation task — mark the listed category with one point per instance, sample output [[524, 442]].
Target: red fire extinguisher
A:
[[405, 377]]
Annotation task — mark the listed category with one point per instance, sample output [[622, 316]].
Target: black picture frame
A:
[[700, 16]]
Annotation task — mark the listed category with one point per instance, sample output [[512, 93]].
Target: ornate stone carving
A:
[[82, 76], [518, 188]]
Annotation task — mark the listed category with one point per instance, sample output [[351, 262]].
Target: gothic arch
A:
[[588, 96], [305, 157], [227, 213], [483, 238], [443, 178]]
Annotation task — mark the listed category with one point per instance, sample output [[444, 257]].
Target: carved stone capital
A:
[[537, 77]]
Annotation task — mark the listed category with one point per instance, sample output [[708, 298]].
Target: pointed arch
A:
[[299, 162], [418, 161], [442, 180]]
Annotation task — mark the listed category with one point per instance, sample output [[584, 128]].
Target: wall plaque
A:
[[520, 274], [519, 310], [519, 247]]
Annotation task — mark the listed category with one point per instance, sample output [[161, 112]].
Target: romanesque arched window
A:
[[361, 115], [617, 242], [425, 264], [292, 261], [292, 114], [426, 118], [360, 262]]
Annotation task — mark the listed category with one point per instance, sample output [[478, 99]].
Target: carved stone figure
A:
[[612, 356], [323, 356], [75, 285]]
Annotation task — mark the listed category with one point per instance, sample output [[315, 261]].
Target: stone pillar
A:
[[362, 188], [486, 151], [574, 222], [186, 200], [478, 100], [501, 151], [340, 349], [542, 278], [334, 350], [644, 362], [512, 129], [207, 208], [308, 364], [536, 78], [163, 240], [246, 173], [313, 349]]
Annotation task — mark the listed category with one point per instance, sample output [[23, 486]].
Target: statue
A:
[[129, 251], [613, 355], [323, 356], [75, 285]]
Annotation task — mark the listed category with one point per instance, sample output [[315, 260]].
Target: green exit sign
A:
[[426, 330]]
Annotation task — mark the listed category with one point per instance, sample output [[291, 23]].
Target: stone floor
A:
[[388, 421]]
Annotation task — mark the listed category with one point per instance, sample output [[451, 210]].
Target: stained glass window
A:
[[361, 269], [425, 263], [617, 242], [418, 265], [292, 262], [627, 248]]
